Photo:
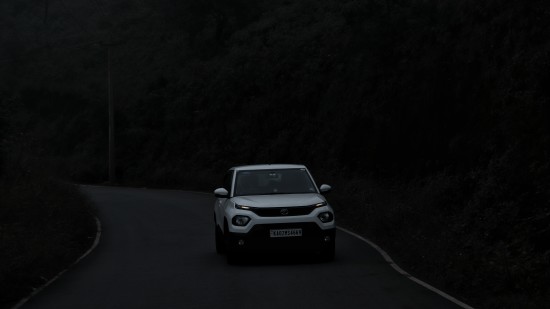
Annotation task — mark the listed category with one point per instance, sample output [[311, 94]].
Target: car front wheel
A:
[[220, 244], [232, 256], [327, 255]]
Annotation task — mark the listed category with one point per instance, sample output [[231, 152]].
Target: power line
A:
[[32, 53], [61, 44]]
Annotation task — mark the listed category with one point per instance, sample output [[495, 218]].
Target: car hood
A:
[[279, 200]]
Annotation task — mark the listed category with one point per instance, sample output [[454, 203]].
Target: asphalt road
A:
[[157, 251]]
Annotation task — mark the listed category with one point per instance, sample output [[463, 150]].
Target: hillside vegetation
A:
[[45, 226], [429, 117]]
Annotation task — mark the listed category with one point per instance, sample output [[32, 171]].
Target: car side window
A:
[[227, 181]]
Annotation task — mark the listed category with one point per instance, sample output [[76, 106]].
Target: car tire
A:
[[232, 257], [220, 244], [230, 254], [328, 254]]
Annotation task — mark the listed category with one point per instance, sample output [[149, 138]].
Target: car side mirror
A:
[[325, 188], [221, 192]]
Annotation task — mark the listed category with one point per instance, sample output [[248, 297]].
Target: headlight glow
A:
[[320, 204], [243, 207]]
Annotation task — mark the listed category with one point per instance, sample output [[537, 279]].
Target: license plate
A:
[[285, 233]]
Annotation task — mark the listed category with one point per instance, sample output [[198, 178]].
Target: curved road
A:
[[157, 251]]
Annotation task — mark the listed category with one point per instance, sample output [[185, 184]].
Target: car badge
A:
[[284, 211]]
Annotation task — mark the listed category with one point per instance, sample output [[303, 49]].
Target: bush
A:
[[44, 227]]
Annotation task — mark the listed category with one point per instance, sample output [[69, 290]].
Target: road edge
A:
[[40, 288], [390, 261], [383, 253]]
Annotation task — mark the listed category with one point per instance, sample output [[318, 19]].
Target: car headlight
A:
[[243, 207], [326, 216], [240, 220], [321, 204]]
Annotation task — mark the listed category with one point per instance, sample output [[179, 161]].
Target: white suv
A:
[[273, 208]]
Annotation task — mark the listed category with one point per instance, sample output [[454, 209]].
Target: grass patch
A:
[[44, 227], [431, 227]]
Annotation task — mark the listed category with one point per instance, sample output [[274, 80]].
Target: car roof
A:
[[266, 167]]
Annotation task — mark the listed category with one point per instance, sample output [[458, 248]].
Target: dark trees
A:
[[437, 109]]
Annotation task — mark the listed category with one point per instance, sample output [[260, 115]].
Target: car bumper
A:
[[258, 240]]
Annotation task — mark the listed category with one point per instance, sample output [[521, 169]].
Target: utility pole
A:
[[46, 9], [111, 109], [112, 157]]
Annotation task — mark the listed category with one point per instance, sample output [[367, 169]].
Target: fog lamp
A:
[[240, 220], [325, 217]]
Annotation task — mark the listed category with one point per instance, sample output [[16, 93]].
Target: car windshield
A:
[[282, 181]]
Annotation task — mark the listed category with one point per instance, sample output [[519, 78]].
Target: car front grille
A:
[[283, 211]]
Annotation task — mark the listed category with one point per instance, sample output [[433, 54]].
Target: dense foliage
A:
[[432, 115], [44, 227]]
